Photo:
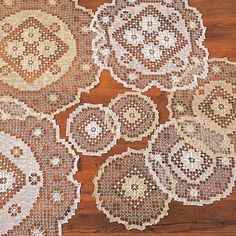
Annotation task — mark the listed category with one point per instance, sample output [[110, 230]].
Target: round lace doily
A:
[[137, 115], [93, 129], [206, 115], [46, 57], [127, 193], [148, 43], [37, 190], [198, 178]]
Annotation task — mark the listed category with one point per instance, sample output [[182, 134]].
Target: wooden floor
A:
[[218, 219]]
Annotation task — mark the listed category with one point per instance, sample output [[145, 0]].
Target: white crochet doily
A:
[[93, 129], [137, 115], [148, 43], [126, 192], [45, 53]]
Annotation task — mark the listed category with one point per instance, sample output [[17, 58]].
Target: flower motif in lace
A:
[[37, 191]]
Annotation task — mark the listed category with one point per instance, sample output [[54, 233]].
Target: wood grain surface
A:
[[218, 219]]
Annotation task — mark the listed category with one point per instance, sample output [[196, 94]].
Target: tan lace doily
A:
[[206, 115], [93, 129], [127, 193], [37, 190], [198, 178], [148, 43], [45, 53], [137, 115]]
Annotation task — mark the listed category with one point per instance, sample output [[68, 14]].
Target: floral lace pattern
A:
[[137, 114], [93, 129], [151, 43], [46, 58], [198, 178], [206, 115], [37, 190], [127, 193]]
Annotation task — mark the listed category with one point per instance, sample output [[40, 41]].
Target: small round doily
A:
[[93, 129], [137, 115], [127, 193]]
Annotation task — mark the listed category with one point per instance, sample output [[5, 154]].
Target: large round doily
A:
[[127, 193], [37, 190], [198, 178], [206, 116], [148, 43], [93, 129], [45, 53], [137, 115]]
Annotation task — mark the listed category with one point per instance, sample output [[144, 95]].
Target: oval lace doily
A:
[[93, 129], [137, 115], [46, 57], [127, 193], [148, 43], [37, 190], [198, 178], [206, 115]]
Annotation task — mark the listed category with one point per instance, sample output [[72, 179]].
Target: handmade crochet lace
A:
[[198, 178]]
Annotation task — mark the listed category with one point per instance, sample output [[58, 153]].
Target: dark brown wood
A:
[[218, 219]]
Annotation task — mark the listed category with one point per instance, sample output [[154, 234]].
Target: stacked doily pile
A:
[[54, 50]]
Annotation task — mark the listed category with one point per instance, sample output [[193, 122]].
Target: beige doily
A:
[[37, 190], [197, 178], [127, 193], [137, 114], [45, 53], [206, 115], [93, 129], [148, 43]]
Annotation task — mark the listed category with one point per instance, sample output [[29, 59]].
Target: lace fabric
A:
[[37, 190], [46, 58], [127, 193], [206, 116], [93, 129], [197, 178], [137, 115], [151, 43]]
